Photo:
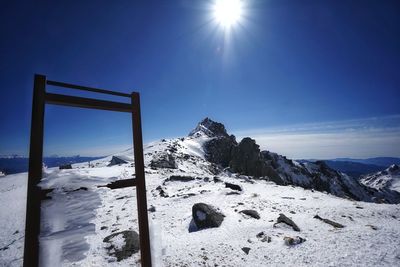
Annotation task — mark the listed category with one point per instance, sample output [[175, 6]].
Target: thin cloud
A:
[[362, 138]]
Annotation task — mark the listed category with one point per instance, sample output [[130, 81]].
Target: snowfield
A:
[[80, 215]]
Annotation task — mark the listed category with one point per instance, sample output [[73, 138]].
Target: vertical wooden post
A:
[[144, 235], [32, 223]]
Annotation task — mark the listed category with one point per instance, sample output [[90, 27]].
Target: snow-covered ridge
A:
[[384, 184]]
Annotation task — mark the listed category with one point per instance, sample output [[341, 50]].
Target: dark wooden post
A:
[[32, 223], [144, 235]]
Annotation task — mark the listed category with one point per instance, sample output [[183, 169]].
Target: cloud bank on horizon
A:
[[357, 138]]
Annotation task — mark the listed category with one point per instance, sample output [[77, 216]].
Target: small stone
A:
[[291, 241], [233, 186], [246, 250]]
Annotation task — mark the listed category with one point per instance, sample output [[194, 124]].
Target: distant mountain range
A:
[[357, 167], [15, 164], [379, 161]]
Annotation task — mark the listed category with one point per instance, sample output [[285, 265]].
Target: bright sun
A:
[[228, 12]]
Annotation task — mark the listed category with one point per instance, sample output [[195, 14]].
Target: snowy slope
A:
[[80, 215]]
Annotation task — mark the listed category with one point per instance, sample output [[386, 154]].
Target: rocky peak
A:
[[210, 128], [394, 169]]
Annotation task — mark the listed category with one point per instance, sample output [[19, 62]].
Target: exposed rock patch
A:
[[122, 245], [163, 160]]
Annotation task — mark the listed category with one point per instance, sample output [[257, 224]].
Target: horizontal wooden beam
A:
[[85, 88], [120, 184], [82, 102]]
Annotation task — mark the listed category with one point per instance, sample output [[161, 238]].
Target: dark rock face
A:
[[164, 160], [206, 216], [130, 246], [252, 213], [247, 159], [219, 150]]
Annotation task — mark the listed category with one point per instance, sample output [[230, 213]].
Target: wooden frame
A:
[[36, 194]]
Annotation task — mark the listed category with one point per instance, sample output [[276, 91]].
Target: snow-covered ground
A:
[[80, 215]]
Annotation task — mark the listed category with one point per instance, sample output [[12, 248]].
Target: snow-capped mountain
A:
[[255, 194], [384, 184]]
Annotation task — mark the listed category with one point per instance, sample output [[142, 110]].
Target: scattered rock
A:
[[103, 228], [260, 234], [179, 178], [232, 193], [291, 241], [246, 250], [252, 213], [122, 249], [283, 219], [187, 195], [334, 224], [233, 186], [217, 179], [152, 208], [161, 191], [372, 227], [263, 237], [206, 216]]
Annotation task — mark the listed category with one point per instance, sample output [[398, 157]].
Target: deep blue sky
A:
[[289, 63]]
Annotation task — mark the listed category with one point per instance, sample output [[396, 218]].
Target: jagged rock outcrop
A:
[[247, 159], [210, 128], [219, 150]]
